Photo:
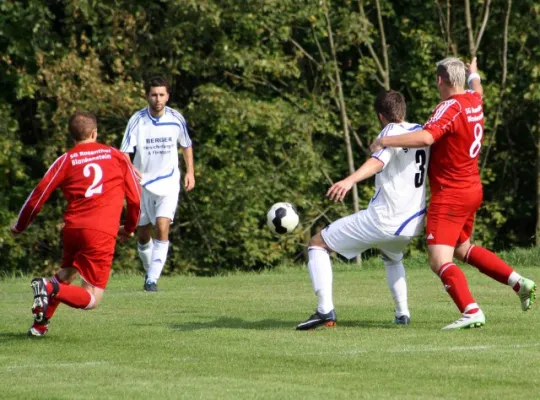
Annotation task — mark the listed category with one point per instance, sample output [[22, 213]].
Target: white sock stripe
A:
[[318, 248], [145, 246], [448, 265], [470, 307], [468, 253], [92, 302], [161, 241]]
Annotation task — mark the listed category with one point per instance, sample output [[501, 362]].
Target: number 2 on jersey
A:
[[98, 174], [421, 159]]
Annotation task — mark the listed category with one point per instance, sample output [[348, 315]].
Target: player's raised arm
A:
[[473, 79], [31, 208]]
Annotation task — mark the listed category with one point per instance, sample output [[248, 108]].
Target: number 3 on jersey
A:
[[421, 159], [98, 174]]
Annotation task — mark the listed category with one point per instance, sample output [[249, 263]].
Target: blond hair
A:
[[452, 71]]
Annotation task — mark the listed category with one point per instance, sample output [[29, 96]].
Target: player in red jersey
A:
[[94, 179], [455, 132]]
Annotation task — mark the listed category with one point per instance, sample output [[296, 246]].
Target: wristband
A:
[[471, 77]]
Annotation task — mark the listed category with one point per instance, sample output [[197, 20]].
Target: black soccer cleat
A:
[[318, 319], [41, 300], [403, 320], [149, 286]]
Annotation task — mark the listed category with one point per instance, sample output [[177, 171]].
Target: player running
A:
[[455, 131], [94, 179], [395, 214], [153, 134]]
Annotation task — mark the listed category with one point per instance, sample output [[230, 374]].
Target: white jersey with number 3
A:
[[399, 203], [155, 142]]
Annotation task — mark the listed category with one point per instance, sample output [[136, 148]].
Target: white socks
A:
[[395, 277], [320, 271], [145, 253], [513, 279], [159, 256]]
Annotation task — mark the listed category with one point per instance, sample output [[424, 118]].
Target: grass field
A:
[[233, 337]]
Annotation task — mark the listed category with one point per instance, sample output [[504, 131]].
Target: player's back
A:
[[94, 186], [398, 205], [457, 126]]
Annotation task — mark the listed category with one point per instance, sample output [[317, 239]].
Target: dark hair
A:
[[81, 124], [156, 81], [391, 105]]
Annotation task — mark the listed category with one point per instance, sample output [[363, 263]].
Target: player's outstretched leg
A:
[[320, 272], [493, 266], [467, 321], [318, 319], [39, 307], [526, 292]]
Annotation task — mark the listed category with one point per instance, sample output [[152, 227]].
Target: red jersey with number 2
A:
[[457, 125], [95, 179]]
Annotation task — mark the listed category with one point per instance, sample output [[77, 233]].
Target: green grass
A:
[[233, 337]]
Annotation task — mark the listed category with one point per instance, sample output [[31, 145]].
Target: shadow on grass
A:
[[18, 336], [269, 324]]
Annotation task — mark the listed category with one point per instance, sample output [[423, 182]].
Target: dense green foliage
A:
[[256, 81]]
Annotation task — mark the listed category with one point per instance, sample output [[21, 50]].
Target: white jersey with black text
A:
[[155, 143], [399, 203]]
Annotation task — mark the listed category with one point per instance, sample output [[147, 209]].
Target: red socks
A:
[[73, 296], [489, 263], [455, 283]]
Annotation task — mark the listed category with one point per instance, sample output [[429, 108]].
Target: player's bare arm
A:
[[416, 139], [189, 178], [473, 77], [339, 189]]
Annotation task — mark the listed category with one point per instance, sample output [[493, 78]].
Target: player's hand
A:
[[471, 67], [189, 181], [376, 145], [339, 189], [14, 231], [124, 235]]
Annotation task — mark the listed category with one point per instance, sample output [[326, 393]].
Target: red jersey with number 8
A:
[[94, 178], [457, 125]]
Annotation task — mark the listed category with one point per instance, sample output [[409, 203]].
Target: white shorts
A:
[[352, 235], [153, 206]]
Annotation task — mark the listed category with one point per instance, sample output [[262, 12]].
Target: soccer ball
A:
[[282, 218]]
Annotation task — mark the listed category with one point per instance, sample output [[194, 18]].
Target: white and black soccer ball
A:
[[282, 218]]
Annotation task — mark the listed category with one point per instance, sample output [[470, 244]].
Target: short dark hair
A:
[[156, 81], [81, 124], [391, 105]]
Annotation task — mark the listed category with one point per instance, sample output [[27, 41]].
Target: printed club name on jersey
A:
[[159, 145]]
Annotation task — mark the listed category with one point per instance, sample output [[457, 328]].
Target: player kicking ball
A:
[[395, 214], [94, 179], [455, 132]]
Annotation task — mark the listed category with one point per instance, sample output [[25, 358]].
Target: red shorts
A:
[[450, 216], [91, 253]]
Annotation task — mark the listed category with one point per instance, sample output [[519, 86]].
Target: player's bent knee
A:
[[318, 241]]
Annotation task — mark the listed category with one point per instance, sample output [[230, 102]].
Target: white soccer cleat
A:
[[475, 320], [526, 293]]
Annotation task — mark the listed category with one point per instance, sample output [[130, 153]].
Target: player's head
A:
[[390, 107], [83, 126], [450, 75], [157, 93]]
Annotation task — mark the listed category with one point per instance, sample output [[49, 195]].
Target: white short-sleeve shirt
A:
[[399, 203], [155, 142]]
